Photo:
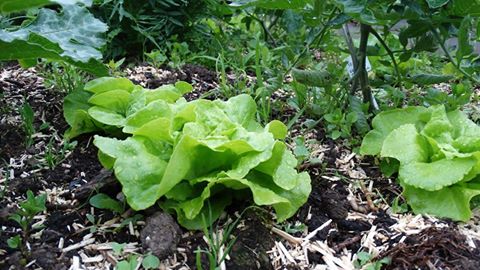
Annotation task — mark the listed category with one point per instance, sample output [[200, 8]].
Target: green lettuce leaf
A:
[[188, 155], [386, 122], [439, 157], [450, 202]]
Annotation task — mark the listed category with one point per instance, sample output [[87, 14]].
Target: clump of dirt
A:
[[251, 246], [160, 235], [434, 248]]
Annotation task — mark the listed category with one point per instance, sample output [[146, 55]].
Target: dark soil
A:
[[434, 248], [80, 175]]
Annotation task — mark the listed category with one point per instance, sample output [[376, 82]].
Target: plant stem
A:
[[390, 53], [362, 60], [318, 37], [450, 58]]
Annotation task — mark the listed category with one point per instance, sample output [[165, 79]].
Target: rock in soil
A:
[[160, 235]]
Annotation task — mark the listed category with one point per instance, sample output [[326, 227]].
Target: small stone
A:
[[160, 235]]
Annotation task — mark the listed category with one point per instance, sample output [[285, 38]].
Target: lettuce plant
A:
[[188, 156], [439, 156]]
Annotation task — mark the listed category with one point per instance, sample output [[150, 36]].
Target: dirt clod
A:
[[250, 249], [160, 235], [434, 248]]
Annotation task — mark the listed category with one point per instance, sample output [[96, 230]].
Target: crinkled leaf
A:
[[115, 100], [271, 4], [153, 111], [386, 122], [450, 202], [74, 36], [8, 6], [107, 116], [105, 84], [74, 101], [139, 171], [278, 129], [436, 175], [405, 145]]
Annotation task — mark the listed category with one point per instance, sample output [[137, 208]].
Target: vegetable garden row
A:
[[249, 134]]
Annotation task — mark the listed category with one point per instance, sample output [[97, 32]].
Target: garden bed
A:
[[346, 223]]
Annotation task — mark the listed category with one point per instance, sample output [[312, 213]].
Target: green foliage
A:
[[439, 155], [128, 264], [28, 116], [24, 217], [54, 157], [110, 103], [216, 241], [14, 241], [364, 261], [138, 26], [150, 262], [191, 153], [103, 201], [339, 124], [62, 76], [72, 35], [8, 6]]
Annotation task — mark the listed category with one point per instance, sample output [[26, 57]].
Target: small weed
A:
[[103, 201], [28, 116], [62, 76], [365, 262], [24, 218], [53, 157]]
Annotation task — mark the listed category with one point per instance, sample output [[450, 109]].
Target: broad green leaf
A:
[[151, 262], [156, 130], [139, 171], [240, 109], [82, 124], [405, 145], [183, 87], [464, 46], [189, 160], [450, 202], [278, 129], [74, 101], [74, 36], [281, 166], [167, 93], [427, 176], [428, 79], [103, 201], [297, 197], [115, 100], [8, 6], [107, 116], [386, 122], [437, 3], [106, 160], [271, 4], [312, 77], [158, 109], [106, 84]]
